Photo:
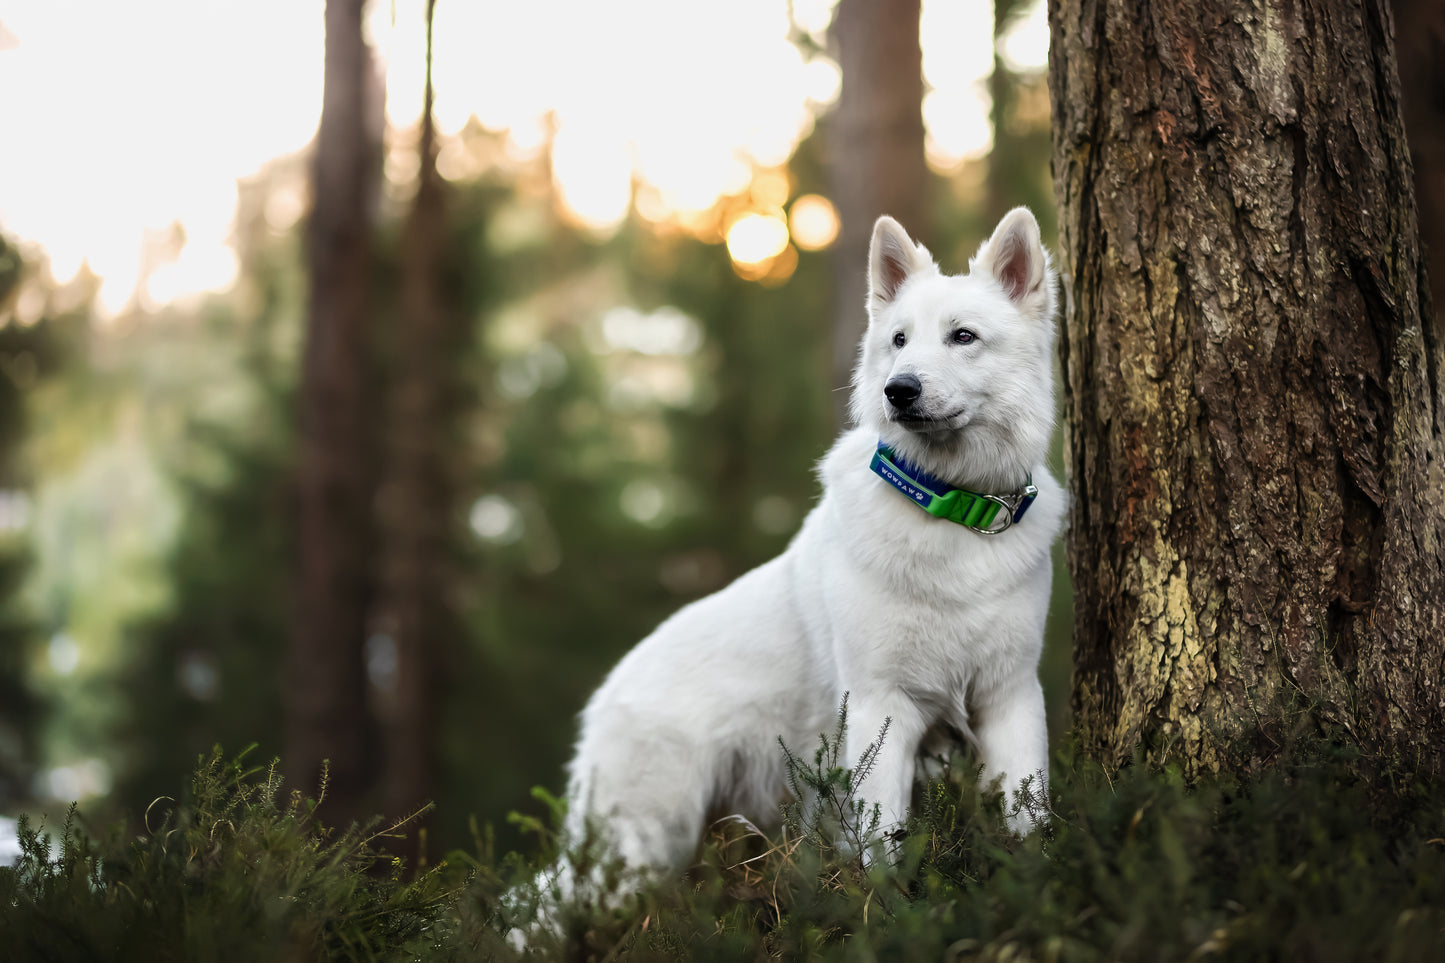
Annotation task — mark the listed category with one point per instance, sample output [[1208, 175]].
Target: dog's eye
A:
[[899, 340], [963, 336]]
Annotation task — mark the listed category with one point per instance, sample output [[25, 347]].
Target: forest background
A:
[[372, 375], [640, 269]]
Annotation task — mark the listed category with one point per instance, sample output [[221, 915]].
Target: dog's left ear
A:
[[1015, 256]]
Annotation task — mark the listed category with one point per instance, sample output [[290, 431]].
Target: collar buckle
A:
[[1013, 504]]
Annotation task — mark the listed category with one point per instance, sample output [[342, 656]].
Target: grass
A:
[[1313, 860]]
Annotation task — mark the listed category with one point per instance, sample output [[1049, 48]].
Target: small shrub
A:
[[238, 872]]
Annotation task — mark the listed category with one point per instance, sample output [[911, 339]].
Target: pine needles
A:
[[825, 810]]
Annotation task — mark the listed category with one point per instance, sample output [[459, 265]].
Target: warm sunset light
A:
[[813, 222], [688, 99], [141, 120], [754, 238], [957, 105], [594, 176]]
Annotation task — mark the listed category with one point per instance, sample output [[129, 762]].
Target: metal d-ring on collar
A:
[[976, 511]]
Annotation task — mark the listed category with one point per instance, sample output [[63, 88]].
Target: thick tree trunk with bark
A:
[[416, 498], [1257, 466], [876, 148], [325, 693]]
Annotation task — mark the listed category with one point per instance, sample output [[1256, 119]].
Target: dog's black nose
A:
[[902, 391]]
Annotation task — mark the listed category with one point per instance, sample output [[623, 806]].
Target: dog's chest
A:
[[936, 603], [937, 635], [936, 564]]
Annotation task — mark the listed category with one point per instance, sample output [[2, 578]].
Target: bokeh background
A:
[[641, 224]]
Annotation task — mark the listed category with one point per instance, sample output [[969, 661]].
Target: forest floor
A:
[[1310, 860]]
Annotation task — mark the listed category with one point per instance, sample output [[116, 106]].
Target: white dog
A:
[[918, 584]]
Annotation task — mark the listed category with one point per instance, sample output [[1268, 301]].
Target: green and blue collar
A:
[[975, 511]]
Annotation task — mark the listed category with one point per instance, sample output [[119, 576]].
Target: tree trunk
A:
[[1420, 42], [876, 145], [1254, 406], [416, 502], [326, 696]]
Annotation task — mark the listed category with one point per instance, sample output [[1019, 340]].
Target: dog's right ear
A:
[[892, 258]]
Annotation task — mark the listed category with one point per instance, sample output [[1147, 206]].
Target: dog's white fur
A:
[[923, 621]]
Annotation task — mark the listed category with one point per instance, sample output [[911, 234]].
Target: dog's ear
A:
[[892, 258], [1015, 256]]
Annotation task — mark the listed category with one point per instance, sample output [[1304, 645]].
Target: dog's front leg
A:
[[887, 778], [1012, 732]]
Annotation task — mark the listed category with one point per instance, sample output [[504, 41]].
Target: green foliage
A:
[[30, 355], [1312, 860], [240, 871], [204, 669], [825, 809]]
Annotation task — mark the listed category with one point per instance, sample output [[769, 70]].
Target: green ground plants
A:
[[1326, 857]]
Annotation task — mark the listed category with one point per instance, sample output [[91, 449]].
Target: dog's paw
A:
[[1021, 821], [1030, 810]]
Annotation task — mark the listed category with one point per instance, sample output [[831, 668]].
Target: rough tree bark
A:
[[325, 693], [876, 148], [1254, 405], [416, 497]]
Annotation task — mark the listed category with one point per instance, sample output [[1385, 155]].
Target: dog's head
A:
[[956, 372]]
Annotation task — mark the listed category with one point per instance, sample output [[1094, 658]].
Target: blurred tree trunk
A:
[[1420, 42], [1019, 115], [876, 144], [1256, 458], [325, 694], [416, 498], [1004, 159]]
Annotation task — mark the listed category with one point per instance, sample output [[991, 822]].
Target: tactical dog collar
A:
[[975, 511]]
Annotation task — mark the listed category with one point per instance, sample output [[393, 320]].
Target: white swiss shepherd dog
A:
[[922, 620]]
